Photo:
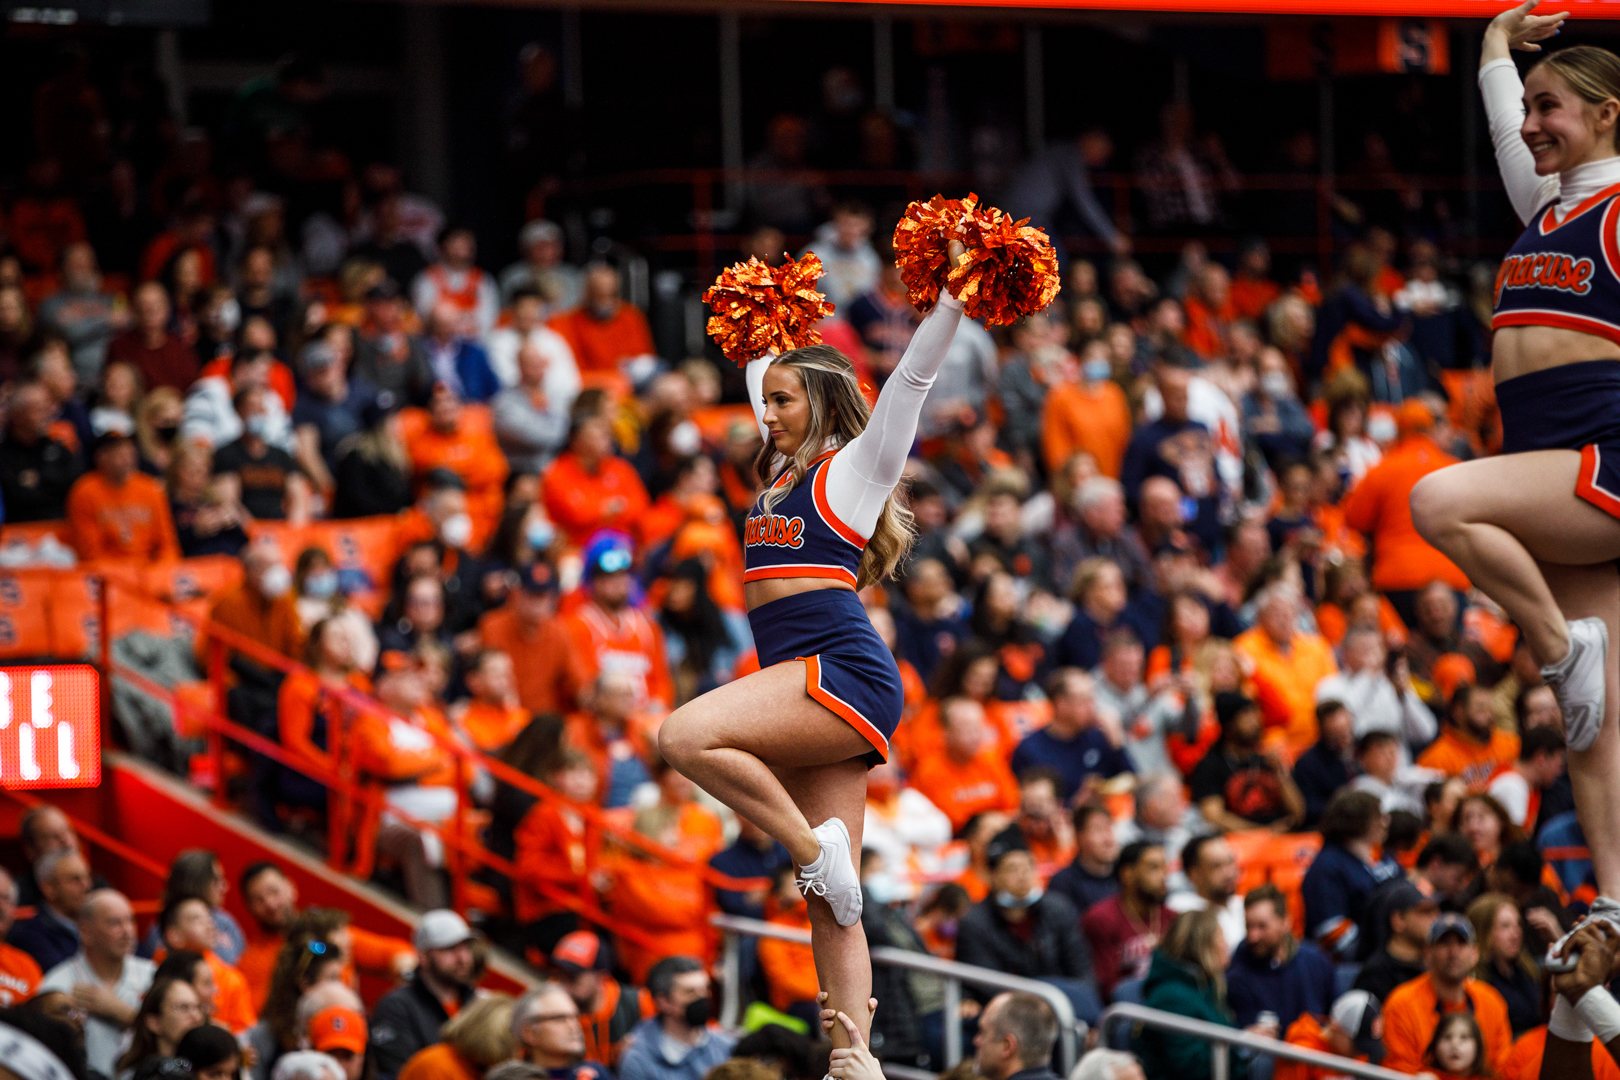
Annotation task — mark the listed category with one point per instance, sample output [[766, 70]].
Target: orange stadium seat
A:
[[366, 546], [25, 624]]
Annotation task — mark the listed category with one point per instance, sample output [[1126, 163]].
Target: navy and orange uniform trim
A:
[[1565, 273], [801, 536]]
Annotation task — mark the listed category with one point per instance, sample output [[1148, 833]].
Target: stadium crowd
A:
[[1194, 717]]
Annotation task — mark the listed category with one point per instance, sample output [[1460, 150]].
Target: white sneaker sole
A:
[[1583, 718]]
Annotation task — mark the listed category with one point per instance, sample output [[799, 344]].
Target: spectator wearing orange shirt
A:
[[551, 855], [271, 899], [790, 969], [19, 973], [1470, 745], [263, 608], [608, 1009], [608, 633], [1381, 507], [1354, 1029], [1252, 291], [607, 732], [1287, 666], [1414, 1009], [605, 332], [456, 441], [1090, 416], [189, 924], [970, 775], [1209, 313], [115, 512], [589, 488], [491, 717], [527, 626]]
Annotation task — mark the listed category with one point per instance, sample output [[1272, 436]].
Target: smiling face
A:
[[787, 409], [1561, 128]]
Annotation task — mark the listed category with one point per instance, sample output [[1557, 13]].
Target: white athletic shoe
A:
[[834, 878], [1602, 908], [1578, 682]]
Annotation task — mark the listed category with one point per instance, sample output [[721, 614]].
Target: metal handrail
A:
[[1221, 1038], [953, 974]]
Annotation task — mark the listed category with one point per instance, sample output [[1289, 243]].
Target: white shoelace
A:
[[812, 885]]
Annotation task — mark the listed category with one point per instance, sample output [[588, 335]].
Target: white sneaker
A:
[[1602, 908], [834, 879], [1578, 682]]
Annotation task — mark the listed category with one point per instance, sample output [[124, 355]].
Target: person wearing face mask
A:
[[677, 1043], [1020, 929], [320, 596], [1273, 418], [263, 608], [270, 483], [1090, 415], [212, 413], [460, 441]]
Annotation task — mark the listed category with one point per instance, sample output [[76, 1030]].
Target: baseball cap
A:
[[338, 1028], [441, 929], [442, 479], [538, 577], [317, 356], [1357, 1012], [108, 438], [383, 290], [1451, 923], [1404, 895], [538, 230], [609, 554], [1413, 415], [580, 951], [1004, 843]]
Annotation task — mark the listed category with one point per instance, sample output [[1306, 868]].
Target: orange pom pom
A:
[[1010, 270], [759, 308]]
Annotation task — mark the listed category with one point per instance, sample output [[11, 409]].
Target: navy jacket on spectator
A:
[[1318, 773], [1047, 945], [919, 640], [744, 860], [1081, 643], [1335, 889], [478, 379], [46, 937], [1143, 458], [1301, 984], [1087, 754], [1081, 886]]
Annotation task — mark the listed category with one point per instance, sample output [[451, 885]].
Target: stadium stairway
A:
[[140, 818]]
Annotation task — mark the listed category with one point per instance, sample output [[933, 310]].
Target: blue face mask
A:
[[884, 888], [1008, 900], [1096, 370], [321, 586], [258, 426], [539, 534]]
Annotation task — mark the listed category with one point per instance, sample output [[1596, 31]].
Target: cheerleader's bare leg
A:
[[765, 748], [1515, 526]]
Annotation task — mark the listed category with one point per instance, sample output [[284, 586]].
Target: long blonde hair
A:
[[1191, 940], [838, 413]]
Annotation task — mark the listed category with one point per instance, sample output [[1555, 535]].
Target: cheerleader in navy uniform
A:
[[1538, 527], [788, 747]]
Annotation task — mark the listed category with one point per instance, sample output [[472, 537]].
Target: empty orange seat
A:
[[32, 532], [290, 538], [193, 579], [25, 628]]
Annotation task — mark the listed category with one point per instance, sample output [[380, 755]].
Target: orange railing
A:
[[355, 804], [709, 244]]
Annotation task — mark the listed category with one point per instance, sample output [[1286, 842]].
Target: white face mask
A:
[[457, 530], [685, 438], [1276, 384], [1381, 428], [275, 581]]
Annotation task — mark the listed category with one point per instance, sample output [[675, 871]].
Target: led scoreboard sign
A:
[[50, 726]]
